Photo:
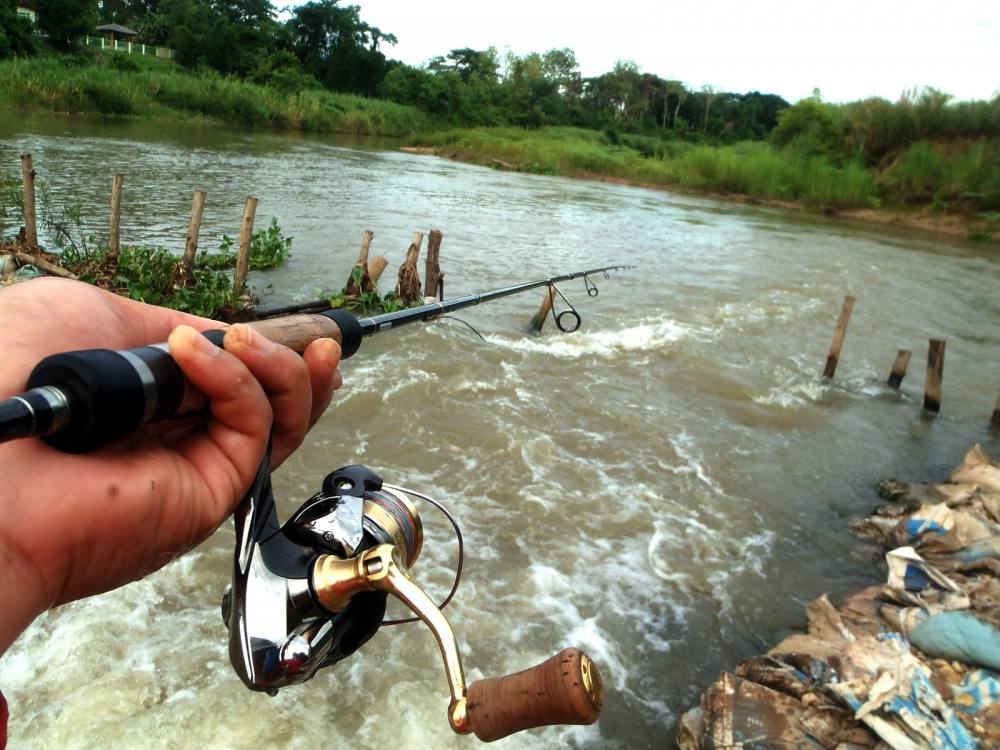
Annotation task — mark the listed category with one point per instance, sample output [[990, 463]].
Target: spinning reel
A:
[[308, 594]]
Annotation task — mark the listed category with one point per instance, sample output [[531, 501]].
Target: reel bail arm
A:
[[565, 689]]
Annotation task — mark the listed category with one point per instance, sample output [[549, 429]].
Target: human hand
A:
[[73, 525]]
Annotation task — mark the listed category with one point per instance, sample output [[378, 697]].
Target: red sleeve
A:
[[3, 722]]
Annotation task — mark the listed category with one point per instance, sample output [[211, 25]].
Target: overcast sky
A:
[[849, 49]]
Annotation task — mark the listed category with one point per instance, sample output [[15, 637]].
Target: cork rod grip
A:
[[298, 331], [565, 689]]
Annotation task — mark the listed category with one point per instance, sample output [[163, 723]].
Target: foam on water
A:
[[650, 334]]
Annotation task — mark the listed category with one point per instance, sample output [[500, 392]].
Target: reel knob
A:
[[564, 689]]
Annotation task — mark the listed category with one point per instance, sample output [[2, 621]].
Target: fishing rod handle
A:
[[564, 689], [82, 400]]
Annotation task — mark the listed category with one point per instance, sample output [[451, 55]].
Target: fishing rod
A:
[[308, 593], [78, 401]]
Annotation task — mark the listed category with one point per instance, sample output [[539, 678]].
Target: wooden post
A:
[[375, 269], [30, 218], [408, 281], [114, 238], [432, 271], [899, 368], [935, 373], [194, 229], [995, 421], [543, 312], [354, 287], [246, 237], [838, 337]]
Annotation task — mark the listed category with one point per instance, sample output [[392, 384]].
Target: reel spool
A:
[[308, 594]]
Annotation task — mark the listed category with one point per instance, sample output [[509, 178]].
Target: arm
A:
[[76, 525]]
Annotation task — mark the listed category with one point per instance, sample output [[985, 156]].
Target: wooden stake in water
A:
[[114, 236], [246, 238], [995, 421], [30, 218], [194, 229], [375, 269], [838, 338], [408, 281], [935, 373], [432, 271], [543, 312], [899, 368], [354, 287]]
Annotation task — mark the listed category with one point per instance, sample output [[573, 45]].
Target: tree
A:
[[65, 21], [15, 33], [338, 48]]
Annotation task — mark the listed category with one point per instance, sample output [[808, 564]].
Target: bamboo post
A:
[[838, 337], [194, 229], [408, 281], [899, 368], [543, 312], [354, 287], [114, 239], [30, 218], [432, 271], [935, 373], [995, 421], [246, 237]]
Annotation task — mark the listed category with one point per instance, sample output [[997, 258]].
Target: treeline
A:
[[324, 44]]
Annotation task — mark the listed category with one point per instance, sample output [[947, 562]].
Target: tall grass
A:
[[751, 168], [96, 84]]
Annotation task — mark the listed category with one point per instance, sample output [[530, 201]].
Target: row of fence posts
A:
[[407, 285], [935, 365]]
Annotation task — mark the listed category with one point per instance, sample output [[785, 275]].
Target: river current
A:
[[665, 488]]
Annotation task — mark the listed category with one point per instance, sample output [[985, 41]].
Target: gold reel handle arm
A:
[[564, 689]]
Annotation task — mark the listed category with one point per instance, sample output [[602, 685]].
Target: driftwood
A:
[[51, 268], [408, 282], [433, 277]]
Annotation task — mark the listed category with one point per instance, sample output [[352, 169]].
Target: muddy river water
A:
[[666, 488]]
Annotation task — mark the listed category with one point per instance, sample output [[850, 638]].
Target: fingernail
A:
[[196, 341], [238, 334], [330, 350]]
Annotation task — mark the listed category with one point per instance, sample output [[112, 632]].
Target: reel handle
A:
[[563, 689]]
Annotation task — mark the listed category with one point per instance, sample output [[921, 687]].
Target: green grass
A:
[[750, 168], [98, 83], [959, 176]]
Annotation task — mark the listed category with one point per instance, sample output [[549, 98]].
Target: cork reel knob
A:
[[564, 689]]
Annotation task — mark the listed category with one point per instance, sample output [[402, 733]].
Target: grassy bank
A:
[[956, 178], [118, 84]]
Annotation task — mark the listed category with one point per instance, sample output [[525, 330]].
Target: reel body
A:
[[308, 594], [279, 634]]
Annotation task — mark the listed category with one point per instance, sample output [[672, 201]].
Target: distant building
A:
[[26, 9], [112, 30]]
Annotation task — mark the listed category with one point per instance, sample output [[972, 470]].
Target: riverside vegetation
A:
[[324, 69]]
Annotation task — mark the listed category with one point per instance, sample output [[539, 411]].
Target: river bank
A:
[[134, 86], [907, 663], [746, 172]]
